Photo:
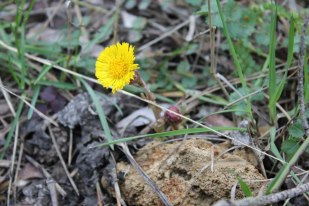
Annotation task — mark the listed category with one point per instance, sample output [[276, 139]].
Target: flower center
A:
[[118, 68]]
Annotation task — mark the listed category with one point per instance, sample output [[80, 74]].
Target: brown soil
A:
[[179, 176]]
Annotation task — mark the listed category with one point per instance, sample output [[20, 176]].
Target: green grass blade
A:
[[218, 101], [35, 96], [225, 111], [60, 85], [272, 67], [44, 71], [100, 112], [21, 55], [21, 18], [244, 187], [276, 152], [273, 147], [259, 82], [11, 70], [164, 99], [172, 133], [281, 176], [19, 5], [27, 13], [42, 74], [282, 83], [46, 49], [236, 60], [3, 35]]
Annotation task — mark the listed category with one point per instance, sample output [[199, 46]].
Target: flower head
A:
[[115, 66]]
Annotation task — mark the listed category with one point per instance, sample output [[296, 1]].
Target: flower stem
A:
[[151, 97]]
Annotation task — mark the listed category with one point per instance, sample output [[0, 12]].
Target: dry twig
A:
[[300, 89], [265, 200], [141, 172], [62, 161]]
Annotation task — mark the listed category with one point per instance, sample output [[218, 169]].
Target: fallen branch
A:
[[300, 89], [268, 199]]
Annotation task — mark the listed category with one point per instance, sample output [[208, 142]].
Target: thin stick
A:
[[50, 17], [51, 184], [7, 99], [141, 172], [213, 67], [12, 162], [99, 194], [201, 33], [149, 95], [212, 45], [46, 174], [218, 75], [113, 174], [69, 19], [116, 22], [70, 147], [21, 150], [179, 26], [62, 161], [300, 89], [27, 103], [244, 97], [191, 31], [268, 199]]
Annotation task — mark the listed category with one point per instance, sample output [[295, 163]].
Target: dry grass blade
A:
[[12, 162], [7, 98], [138, 168], [29, 104], [70, 147], [46, 174], [51, 184], [179, 26], [62, 160], [99, 194], [119, 199]]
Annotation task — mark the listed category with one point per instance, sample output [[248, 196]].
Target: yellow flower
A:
[[115, 66]]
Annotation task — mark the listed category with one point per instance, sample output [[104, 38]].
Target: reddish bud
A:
[[172, 118]]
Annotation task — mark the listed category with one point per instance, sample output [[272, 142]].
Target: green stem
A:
[[236, 61], [277, 182]]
